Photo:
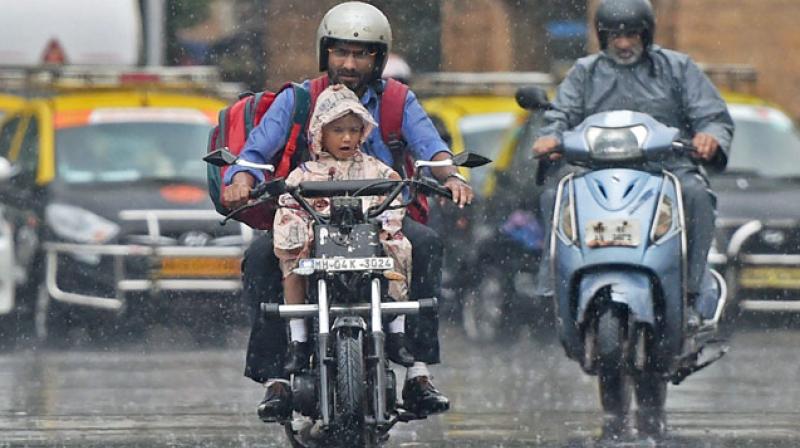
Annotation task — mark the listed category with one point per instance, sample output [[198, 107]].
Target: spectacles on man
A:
[[360, 55]]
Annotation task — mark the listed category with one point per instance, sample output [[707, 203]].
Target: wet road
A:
[[520, 393]]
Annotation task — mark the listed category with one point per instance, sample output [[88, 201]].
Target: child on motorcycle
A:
[[338, 126]]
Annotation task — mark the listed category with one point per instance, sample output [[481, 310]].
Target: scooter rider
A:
[[632, 73], [353, 41]]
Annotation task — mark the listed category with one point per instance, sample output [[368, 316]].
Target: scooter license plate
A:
[[348, 264], [613, 232]]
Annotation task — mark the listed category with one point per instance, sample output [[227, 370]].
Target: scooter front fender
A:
[[629, 287]]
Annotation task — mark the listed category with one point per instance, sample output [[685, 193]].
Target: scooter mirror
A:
[[470, 160], [532, 98], [220, 157]]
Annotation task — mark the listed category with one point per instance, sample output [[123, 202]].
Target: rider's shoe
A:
[[396, 350], [421, 397], [297, 357], [651, 423], [277, 403], [693, 319]]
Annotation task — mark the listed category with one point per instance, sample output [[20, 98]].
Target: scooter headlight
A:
[[664, 218], [567, 216], [616, 143]]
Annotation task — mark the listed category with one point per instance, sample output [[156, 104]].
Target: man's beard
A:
[[357, 86], [631, 57]]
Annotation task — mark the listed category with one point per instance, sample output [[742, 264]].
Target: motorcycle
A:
[[618, 254], [347, 396]]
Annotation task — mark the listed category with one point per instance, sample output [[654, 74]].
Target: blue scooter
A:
[[618, 254]]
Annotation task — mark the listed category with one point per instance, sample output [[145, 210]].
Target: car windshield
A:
[[485, 134], [128, 151], [765, 142]]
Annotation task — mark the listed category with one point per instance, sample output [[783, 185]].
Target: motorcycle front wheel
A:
[[349, 388]]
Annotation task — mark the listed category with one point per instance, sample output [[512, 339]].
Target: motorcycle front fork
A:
[[378, 358]]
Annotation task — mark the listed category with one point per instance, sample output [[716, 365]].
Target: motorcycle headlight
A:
[[78, 225], [616, 143], [663, 222]]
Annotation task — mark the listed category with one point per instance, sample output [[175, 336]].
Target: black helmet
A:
[[625, 15]]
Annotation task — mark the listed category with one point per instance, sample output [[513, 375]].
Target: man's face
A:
[[625, 48], [351, 64]]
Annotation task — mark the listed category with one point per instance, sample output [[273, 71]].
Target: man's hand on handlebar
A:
[[238, 192], [462, 192], [706, 145], [545, 147]]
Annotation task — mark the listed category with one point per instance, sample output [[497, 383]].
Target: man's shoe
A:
[[422, 398], [297, 357], [277, 403], [693, 319], [396, 350]]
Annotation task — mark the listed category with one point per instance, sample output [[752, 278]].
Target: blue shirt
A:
[[269, 137]]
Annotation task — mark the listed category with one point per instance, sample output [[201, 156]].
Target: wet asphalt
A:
[[166, 390]]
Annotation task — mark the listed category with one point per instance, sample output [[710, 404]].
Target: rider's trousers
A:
[[261, 275]]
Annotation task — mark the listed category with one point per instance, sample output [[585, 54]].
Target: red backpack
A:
[[237, 120]]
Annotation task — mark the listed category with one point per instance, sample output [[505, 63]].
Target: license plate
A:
[[770, 277], [200, 267], [613, 232], [347, 264]]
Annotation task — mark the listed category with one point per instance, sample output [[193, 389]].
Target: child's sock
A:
[[398, 325], [297, 328]]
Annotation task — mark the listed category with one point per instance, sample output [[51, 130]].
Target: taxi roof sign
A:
[[54, 53], [477, 83], [56, 78]]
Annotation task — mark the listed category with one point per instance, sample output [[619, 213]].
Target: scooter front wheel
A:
[[614, 381]]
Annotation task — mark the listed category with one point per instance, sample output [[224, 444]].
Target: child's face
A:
[[342, 136]]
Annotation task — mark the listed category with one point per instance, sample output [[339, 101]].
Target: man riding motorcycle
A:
[[632, 73], [353, 41]]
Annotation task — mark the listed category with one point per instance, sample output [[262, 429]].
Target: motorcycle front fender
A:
[[627, 287]]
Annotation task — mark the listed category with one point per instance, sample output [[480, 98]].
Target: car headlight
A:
[[616, 143], [79, 225]]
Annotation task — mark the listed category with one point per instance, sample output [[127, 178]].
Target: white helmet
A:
[[355, 22], [397, 68]]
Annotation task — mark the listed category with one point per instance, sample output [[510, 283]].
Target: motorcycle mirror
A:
[[223, 157], [7, 169], [532, 98], [220, 157], [470, 160]]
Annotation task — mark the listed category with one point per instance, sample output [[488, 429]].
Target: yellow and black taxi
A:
[[485, 266], [8, 103], [757, 243], [108, 207]]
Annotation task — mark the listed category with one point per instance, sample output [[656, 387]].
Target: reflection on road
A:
[[519, 393]]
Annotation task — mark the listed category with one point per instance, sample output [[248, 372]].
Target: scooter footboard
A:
[[628, 287]]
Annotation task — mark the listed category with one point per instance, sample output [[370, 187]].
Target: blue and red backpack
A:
[[237, 120]]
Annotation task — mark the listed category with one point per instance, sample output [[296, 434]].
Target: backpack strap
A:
[[393, 102], [302, 106], [316, 86], [250, 112]]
